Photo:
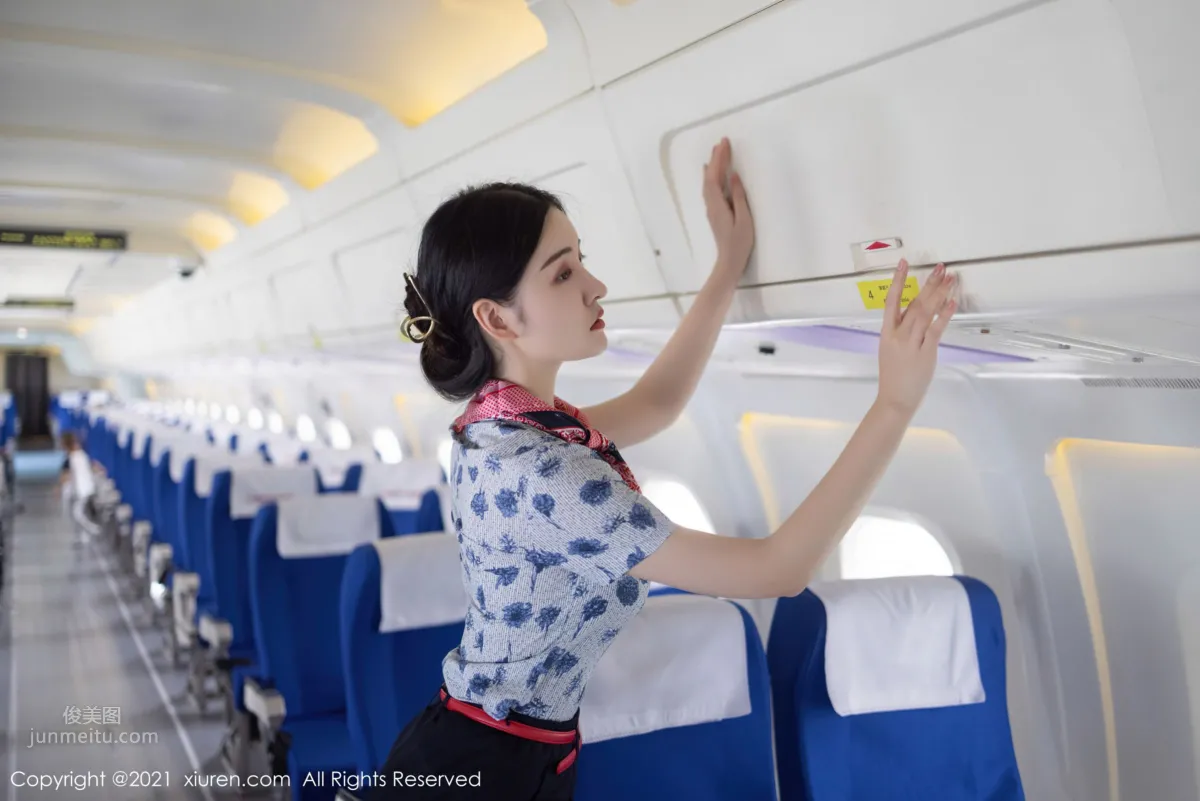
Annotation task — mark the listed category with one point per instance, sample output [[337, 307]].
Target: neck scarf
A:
[[504, 400]]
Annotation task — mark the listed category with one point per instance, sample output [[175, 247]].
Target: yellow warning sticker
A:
[[874, 293]]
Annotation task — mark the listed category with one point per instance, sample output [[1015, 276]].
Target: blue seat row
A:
[[343, 605]]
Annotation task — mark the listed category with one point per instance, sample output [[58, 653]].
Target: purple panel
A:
[[625, 353], [851, 340]]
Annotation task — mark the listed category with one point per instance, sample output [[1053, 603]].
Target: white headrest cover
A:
[[400, 486], [420, 582], [70, 399], [212, 461], [163, 441], [332, 464], [140, 435], [284, 451], [191, 446], [679, 662], [5, 400], [899, 643], [248, 442], [252, 488], [325, 525], [221, 435]]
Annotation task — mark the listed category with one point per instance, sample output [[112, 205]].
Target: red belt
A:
[[522, 730]]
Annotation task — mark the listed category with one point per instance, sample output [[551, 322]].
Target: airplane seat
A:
[[679, 707], [892, 690], [298, 553], [402, 610], [190, 506], [236, 491], [141, 476], [340, 470], [231, 490], [409, 491]]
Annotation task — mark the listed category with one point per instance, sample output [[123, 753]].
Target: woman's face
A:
[[556, 314]]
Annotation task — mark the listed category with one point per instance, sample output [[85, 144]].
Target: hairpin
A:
[[409, 326]]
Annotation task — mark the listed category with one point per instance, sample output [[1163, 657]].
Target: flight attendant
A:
[[557, 543]]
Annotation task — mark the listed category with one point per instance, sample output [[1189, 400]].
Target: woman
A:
[[558, 546]]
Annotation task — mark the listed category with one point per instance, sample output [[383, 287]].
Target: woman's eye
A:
[[564, 275]]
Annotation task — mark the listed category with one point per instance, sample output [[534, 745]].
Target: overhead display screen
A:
[[70, 239]]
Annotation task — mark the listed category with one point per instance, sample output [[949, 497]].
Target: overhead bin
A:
[[1025, 135], [570, 152], [623, 36], [964, 130], [1118, 278]]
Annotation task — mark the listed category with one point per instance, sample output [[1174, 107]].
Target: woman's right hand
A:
[[908, 343]]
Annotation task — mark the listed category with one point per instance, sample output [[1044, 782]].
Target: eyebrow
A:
[[556, 257]]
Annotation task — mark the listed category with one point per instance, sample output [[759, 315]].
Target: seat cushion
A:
[[319, 746], [320, 743]]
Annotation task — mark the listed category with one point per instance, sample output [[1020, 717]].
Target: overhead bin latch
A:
[[874, 254]]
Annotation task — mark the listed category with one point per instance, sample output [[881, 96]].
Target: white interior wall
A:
[[974, 165]]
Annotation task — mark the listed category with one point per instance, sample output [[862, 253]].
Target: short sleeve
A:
[[583, 516]]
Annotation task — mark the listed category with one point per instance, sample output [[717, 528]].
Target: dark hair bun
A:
[[475, 246]]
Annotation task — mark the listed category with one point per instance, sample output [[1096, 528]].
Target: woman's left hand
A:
[[728, 211]]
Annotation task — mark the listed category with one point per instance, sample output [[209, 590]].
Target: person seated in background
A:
[[78, 486]]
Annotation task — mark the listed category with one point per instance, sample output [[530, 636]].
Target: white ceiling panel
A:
[[29, 162], [154, 109]]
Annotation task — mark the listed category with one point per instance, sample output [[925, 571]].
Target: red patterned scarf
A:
[[504, 400]]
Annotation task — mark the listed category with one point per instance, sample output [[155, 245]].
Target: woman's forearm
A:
[[784, 563], [670, 380], [805, 539]]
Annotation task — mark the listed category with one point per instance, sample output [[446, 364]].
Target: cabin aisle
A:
[[77, 657]]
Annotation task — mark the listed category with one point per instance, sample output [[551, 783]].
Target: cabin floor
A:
[[79, 654]]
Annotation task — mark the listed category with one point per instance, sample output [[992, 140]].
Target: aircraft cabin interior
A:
[[230, 496]]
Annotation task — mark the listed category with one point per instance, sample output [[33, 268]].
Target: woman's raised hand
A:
[[908, 343], [728, 210]]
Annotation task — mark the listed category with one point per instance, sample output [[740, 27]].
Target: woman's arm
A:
[[662, 393], [784, 563]]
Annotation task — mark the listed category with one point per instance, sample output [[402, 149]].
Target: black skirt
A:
[[443, 754]]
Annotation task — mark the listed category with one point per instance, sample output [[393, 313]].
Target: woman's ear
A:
[[495, 320]]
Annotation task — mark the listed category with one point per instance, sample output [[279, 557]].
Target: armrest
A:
[[228, 663], [265, 704], [216, 632]]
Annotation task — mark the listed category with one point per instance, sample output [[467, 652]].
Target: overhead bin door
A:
[[373, 274], [1025, 135], [569, 152]]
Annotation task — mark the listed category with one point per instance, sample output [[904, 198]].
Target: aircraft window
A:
[[387, 445], [233, 415], [679, 503], [305, 429], [882, 547], [254, 418], [444, 449], [275, 422], [339, 435]]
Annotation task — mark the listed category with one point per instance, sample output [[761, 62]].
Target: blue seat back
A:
[[689, 677], [232, 503], [298, 552], [402, 611], [187, 510], [951, 753], [414, 492]]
